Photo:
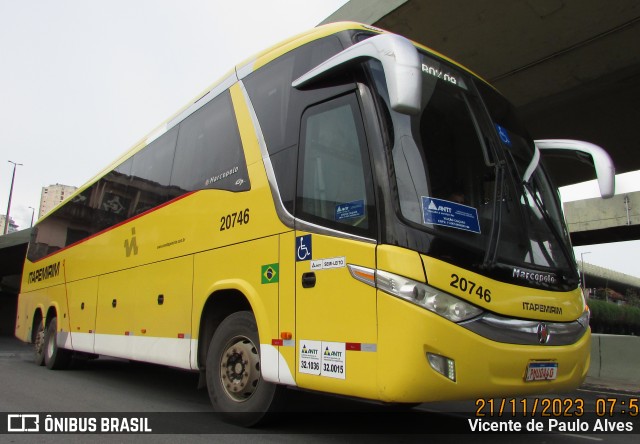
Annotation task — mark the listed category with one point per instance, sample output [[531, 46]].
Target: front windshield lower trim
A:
[[525, 331]]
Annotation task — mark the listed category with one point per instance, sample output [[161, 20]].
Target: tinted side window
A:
[[102, 205], [209, 152], [151, 173], [112, 198], [70, 223], [334, 175], [277, 104]]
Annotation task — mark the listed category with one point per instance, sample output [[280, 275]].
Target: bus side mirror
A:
[[585, 151], [400, 61]]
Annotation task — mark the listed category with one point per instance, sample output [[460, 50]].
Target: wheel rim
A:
[[39, 342], [240, 369], [51, 343]]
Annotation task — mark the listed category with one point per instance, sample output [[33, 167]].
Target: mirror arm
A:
[[605, 170], [400, 61], [535, 160]]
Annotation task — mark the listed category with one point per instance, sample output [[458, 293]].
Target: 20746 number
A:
[[467, 286], [234, 219]]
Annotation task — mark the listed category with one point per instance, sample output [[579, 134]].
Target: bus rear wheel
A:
[[55, 358], [234, 379], [38, 342]]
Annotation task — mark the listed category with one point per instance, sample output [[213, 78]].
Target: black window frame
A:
[[351, 99]]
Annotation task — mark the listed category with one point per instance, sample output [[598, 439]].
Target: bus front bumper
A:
[[483, 367]]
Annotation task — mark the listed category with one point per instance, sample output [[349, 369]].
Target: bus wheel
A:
[[234, 379], [39, 345], [55, 358]]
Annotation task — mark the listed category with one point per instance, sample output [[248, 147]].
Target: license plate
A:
[[541, 371]]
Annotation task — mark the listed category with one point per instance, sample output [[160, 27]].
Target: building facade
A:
[[52, 195], [12, 225]]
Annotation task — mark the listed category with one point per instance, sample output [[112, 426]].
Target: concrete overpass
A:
[[597, 221], [572, 67], [13, 249], [599, 277]]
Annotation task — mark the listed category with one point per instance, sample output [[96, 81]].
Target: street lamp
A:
[[33, 211], [582, 260], [6, 221]]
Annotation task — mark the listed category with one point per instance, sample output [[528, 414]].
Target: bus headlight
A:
[[584, 318], [439, 302]]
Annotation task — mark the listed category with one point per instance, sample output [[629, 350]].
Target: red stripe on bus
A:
[[137, 216]]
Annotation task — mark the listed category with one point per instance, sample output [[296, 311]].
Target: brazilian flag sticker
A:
[[270, 274]]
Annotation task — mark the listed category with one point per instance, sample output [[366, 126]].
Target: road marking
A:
[[627, 394], [592, 438]]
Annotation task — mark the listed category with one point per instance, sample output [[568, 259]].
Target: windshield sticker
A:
[[325, 264], [504, 135], [333, 360], [450, 214], [310, 357], [446, 76], [350, 210], [323, 359]]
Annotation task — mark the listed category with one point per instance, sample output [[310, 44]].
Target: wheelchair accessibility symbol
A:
[[504, 135], [303, 248]]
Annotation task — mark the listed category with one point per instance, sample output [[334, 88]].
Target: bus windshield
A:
[[459, 165]]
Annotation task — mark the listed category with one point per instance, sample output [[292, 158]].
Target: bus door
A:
[[335, 226]]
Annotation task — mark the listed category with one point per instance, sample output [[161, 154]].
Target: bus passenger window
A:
[[209, 152], [151, 173]]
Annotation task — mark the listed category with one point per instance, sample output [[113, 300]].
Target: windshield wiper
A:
[[489, 260]]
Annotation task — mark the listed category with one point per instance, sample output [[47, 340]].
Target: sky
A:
[[623, 257], [82, 81]]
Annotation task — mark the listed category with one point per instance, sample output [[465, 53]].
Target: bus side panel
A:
[[163, 312], [42, 299], [287, 309], [83, 297], [336, 318], [28, 303], [114, 317], [42, 286], [144, 313], [24, 319], [241, 268]]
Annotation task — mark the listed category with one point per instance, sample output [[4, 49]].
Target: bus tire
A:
[[55, 358], [234, 380], [38, 344]]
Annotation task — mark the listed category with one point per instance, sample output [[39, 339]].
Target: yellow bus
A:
[[347, 212]]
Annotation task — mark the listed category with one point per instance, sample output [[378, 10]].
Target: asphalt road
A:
[[170, 402]]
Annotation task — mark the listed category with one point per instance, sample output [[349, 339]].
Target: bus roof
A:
[[239, 71]]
